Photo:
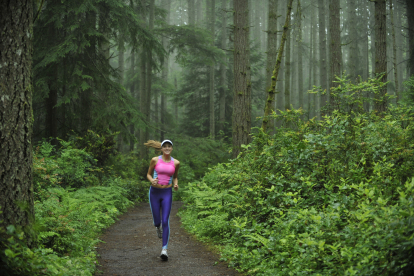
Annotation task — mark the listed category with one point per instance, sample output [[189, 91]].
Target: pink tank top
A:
[[164, 171]]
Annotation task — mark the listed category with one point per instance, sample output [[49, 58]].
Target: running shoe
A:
[[164, 255], [159, 232]]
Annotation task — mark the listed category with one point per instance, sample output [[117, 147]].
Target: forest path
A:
[[132, 247]]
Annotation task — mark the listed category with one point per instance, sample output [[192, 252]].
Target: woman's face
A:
[[166, 148]]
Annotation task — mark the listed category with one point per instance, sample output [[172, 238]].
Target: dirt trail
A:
[[132, 248]]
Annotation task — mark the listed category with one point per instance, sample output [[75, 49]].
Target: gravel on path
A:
[[131, 247]]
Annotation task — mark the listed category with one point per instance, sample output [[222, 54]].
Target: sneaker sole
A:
[[164, 257]]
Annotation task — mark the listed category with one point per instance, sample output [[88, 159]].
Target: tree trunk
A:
[[191, 13], [335, 45], [86, 97], [300, 58], [313, 97], [143, 90], [199, 20], [410, 16], [394, 50], [353, 65], [51, 102], [365, 44], [280, 98], [242, 83], [133, 94], [286, 30], [400, 42], [322, 51], [166, 4], [381, 51], [222, 112], [270, 62], [149, 75], [287, 65], [311, 62], [373, 38], [16, 116], [212, 8], [257, 28]]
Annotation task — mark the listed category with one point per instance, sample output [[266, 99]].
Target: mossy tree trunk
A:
[[16, 115], [288, 63], [381, 51], [270, 62], [242, 82], [271, 91]]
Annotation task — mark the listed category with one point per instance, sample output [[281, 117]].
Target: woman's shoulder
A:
[[176, 162], [154, 159]]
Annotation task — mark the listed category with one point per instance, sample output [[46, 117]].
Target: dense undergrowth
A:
[[329, 197], [75, 198], [80, 187]]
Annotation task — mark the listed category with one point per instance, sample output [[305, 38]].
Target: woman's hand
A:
[[175, 187], [154, 182]]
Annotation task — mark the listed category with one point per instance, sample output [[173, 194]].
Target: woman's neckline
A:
[[166, 161]]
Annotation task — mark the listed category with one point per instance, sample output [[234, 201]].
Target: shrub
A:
[[318, 198]]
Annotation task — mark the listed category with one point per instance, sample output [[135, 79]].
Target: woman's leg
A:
[[155, 204], [166, 210]]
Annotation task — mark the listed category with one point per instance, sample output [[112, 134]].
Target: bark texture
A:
[[335, 44], [166, 4], [16, 114], [276, 69], [300, 58], [287, 64], [322, 51], [394, 50], [353, 45], [223, 88], [242, 81], [410, 16], [212, 8], [381, 50], [270, 63]]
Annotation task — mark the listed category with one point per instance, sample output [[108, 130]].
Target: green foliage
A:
[[101, 146], [71, 61], [321, 197], [74, 201], [69, 223], [71, 167], [408, 94]]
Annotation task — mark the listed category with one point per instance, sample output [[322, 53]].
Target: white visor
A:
[[166, 141]]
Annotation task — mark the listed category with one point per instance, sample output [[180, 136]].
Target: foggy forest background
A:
[[148, 69]]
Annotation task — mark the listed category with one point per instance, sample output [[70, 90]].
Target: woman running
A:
[[162, 174]]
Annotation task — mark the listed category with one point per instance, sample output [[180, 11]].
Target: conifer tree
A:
[[16, 187], [334, 44], [381, 50], [242, 82]]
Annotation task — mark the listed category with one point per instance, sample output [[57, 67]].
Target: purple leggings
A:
[[161, 199]]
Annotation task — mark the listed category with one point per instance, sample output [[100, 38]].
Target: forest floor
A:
[[131, 247]]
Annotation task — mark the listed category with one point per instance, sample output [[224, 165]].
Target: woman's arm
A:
[[175, 177], [150, 172]]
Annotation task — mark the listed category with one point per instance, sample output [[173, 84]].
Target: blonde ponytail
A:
[[153, 144]]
